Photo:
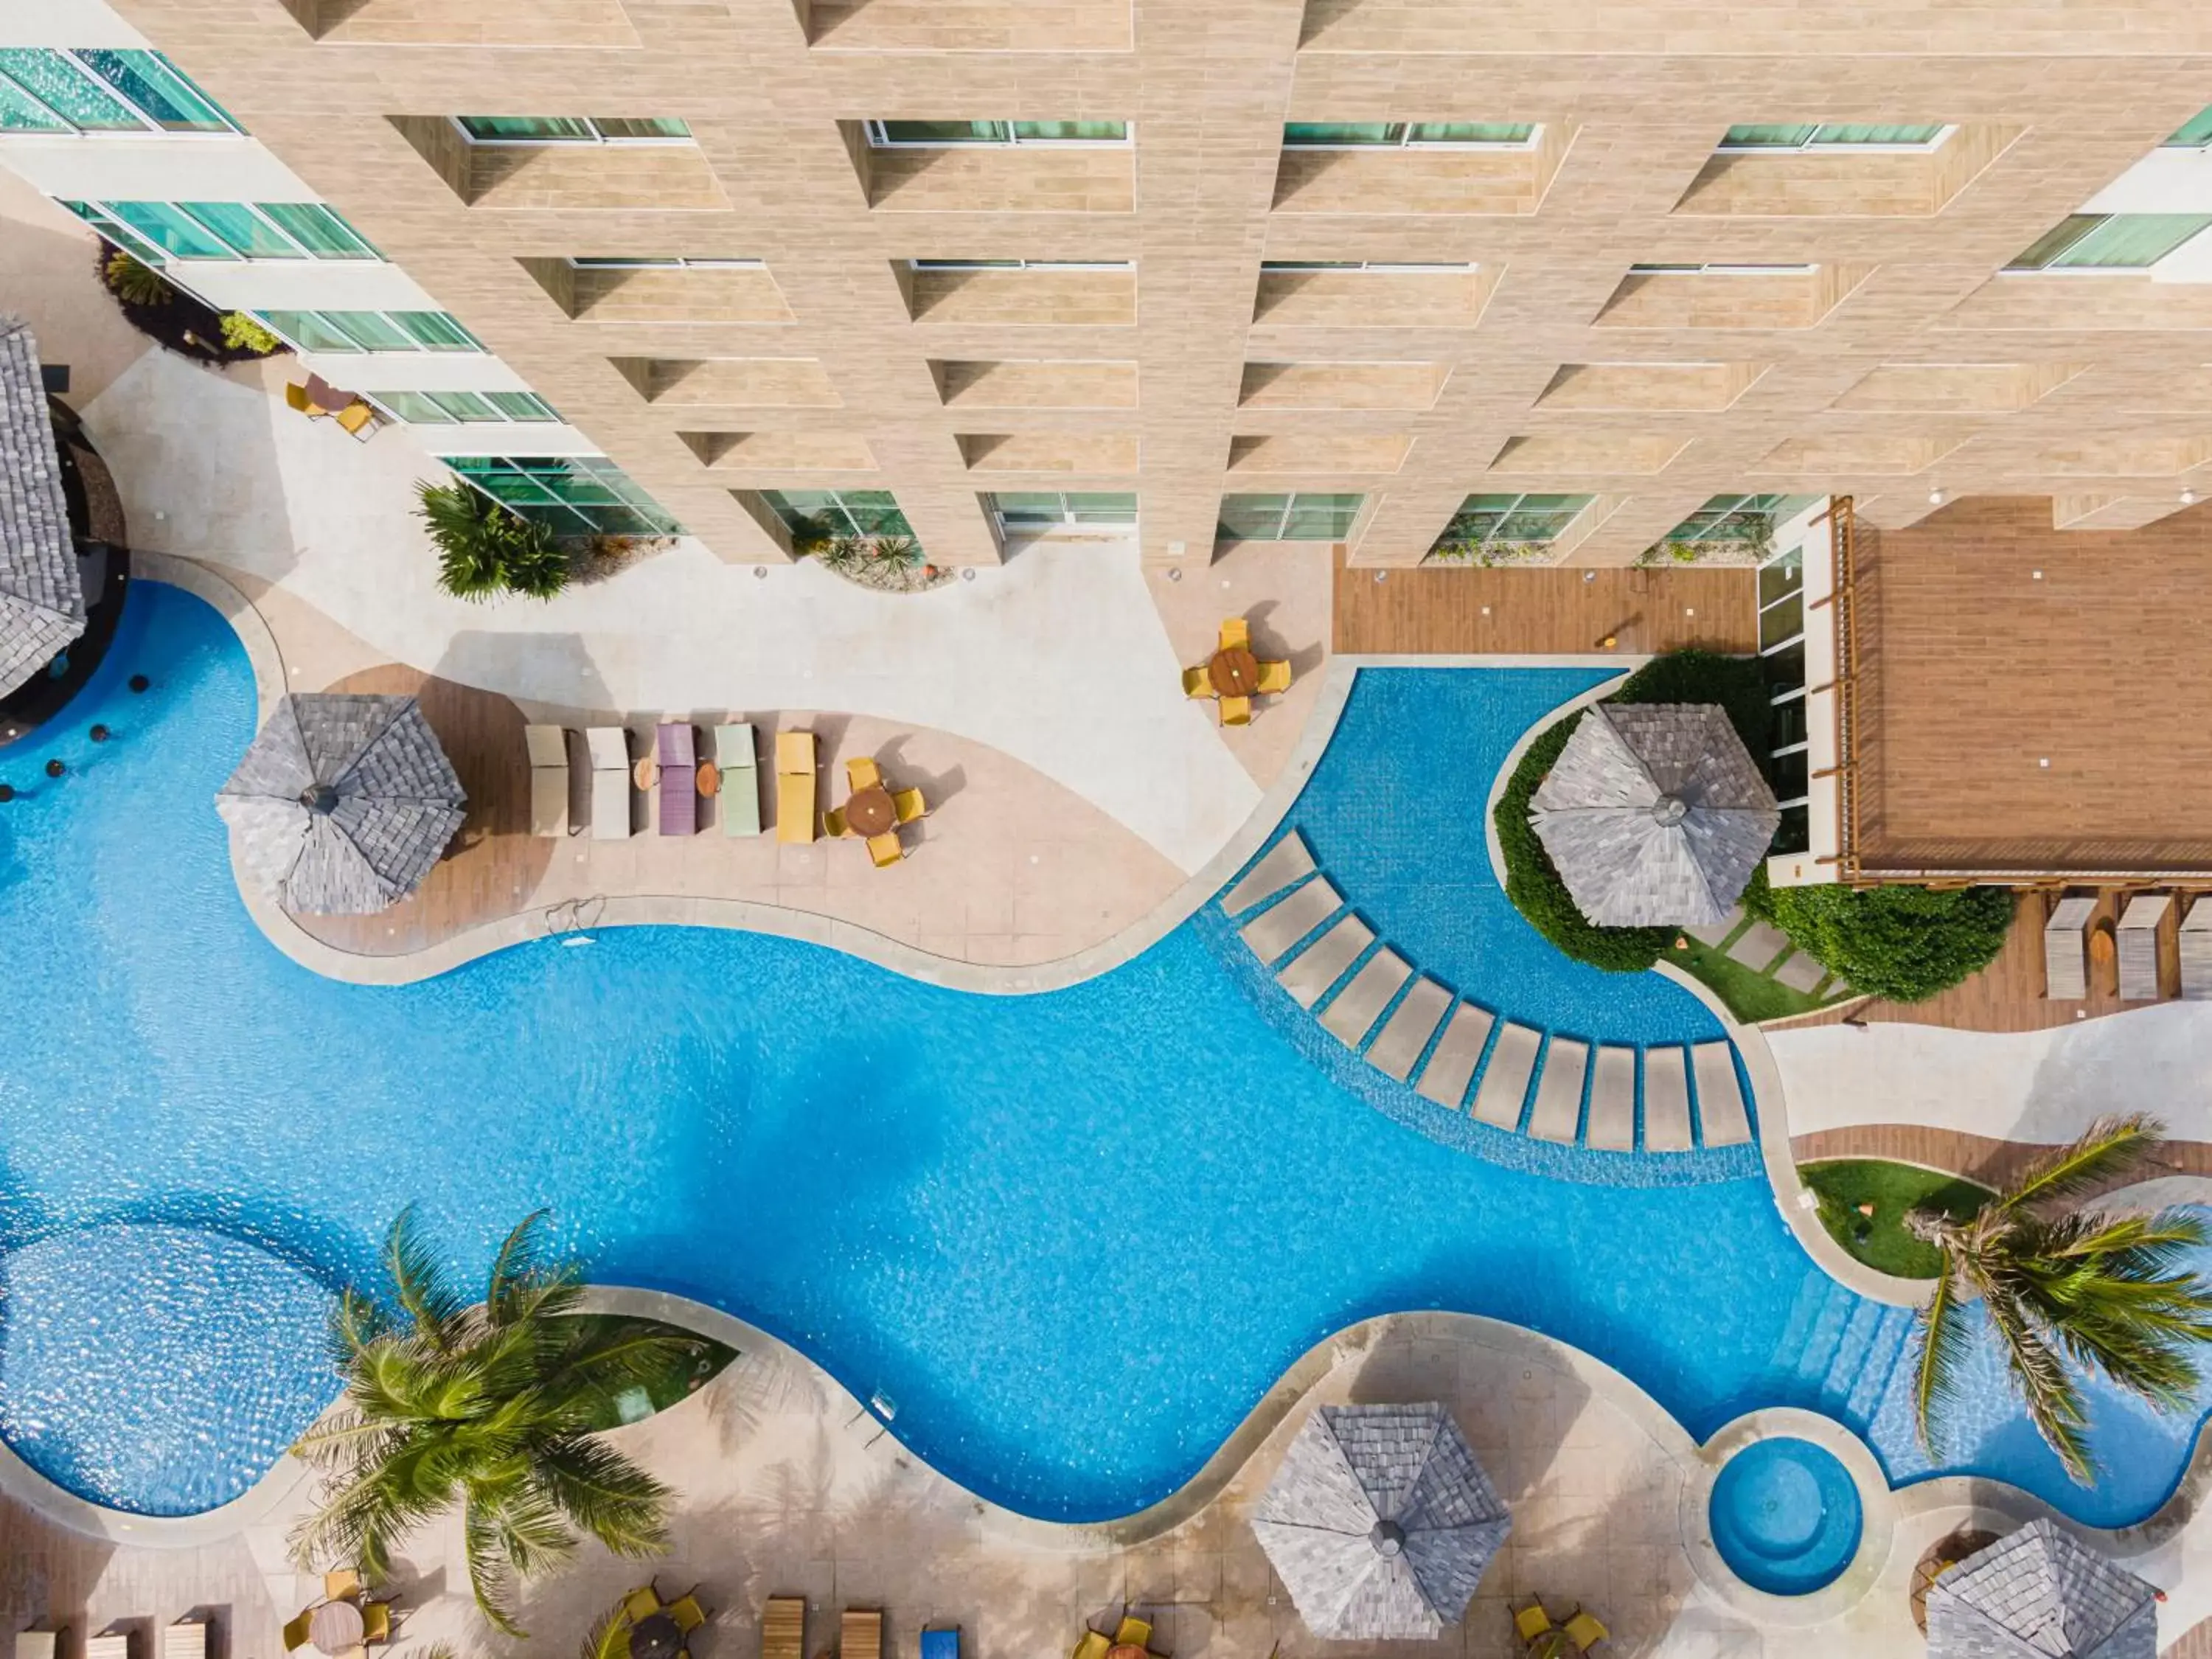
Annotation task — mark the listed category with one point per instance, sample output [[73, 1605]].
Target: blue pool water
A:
[[1785, 1516], [1041, 1224]]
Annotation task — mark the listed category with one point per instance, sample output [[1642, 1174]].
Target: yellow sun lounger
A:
[[795, 787]]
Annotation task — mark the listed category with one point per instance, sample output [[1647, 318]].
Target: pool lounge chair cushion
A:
[[734, 753], [861, 1634], [679, 778], [795, 787], [547, 747], [941, 1644], [185, 1639], [783, 1628], [610, 750]]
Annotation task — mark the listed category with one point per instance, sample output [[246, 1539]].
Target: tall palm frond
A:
[[2112, 1147], [417, 1282]]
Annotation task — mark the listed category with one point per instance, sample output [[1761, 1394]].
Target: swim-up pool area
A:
[[1074, 1236]]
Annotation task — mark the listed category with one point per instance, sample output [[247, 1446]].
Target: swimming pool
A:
[[1039, 1223], [1785, 1516]]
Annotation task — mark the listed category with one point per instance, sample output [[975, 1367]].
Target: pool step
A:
[[1416, 1032]]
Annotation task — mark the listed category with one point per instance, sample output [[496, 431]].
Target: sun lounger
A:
[[910, 805], [2138, 937], [861, 1634], [1236, 711], [783, 1628], [941, 1644], [1274, 678], [108, 1644], [611, 782], [185, 1639], [795, 787], [1197, 684], [2196, 940], [861, 772], [1235, 635], [735, 754], [2066, 950], [39, 1643], [549, 816], [884, 849], [679, 778]]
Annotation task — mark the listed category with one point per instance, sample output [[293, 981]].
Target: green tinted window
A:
[[581, 495], [944, 132], [60, 85], [1071, 132], [434, 330], [2114, 241], [416, 408], [1470, 133], [522, 406], [649, 126], [1301, 518], [310, 331], [319, 229], [153, 84], [1756, 137], [244, 229], [465, 405], [20, 112], [372, 331], [2196, 131], [174, 231], [526, 129]]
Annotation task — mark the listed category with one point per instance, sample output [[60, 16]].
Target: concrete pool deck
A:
[[786, 1485]]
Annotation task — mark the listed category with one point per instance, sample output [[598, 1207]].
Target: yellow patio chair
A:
[[295, 1633], [1094, 1645], [1236, 711], [1235, 635], [1585, 1632], [1197, 684], [687, 1613], [833, 823], [641, 1604], [1274, 677], [354, 417], [376, 1623], [295, 397], [339, 1584], [1531, 1621], [862, 773], [884, 849], [910, 805], [1134, 1632]]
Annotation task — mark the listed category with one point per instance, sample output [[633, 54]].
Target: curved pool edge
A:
[[653, 909]]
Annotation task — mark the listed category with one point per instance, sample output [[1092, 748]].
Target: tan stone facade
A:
[[1902, 362]]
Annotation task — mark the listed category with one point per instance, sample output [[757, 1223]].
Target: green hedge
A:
[[1533, 882], [1903, 943]]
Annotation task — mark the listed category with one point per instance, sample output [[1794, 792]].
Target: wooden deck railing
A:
[[1843, 525]]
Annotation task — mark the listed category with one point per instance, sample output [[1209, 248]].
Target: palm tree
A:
[[490, 1407], [2068, 1290]]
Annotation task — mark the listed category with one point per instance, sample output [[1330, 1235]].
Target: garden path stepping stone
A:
[[1613, 1100], [1308, 979], [1444, 1079], [1666, 1100], [1760, 946], [1559, 1110], [1506, 1080], [1712, 932], [1801, 973], [1286, 861], [1361, 1003], [1720, 1101], [1408, 1032], [1271, 934]]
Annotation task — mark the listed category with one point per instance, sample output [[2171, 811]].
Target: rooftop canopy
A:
[[2039, 1593], [1655, 814], [41, 598], [1379, 1522], [343, 803]]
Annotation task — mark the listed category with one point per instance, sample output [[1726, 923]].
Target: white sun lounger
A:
[[2196, 951], [39, 1643], [185, 1639], [737, 757], [610, 781], [2138, 937], [2066, 950], [108, 1644], [549, 779]]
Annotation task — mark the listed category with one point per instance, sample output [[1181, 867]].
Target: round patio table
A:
[[655, 1637], [871, 811], [1234, 672], [1127, 1651], [710, 779], [336, 1628], [646, 773]]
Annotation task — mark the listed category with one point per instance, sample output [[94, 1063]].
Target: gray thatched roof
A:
[[2040, 1593], [41, 598], [1655, 814], [344, 803], [1379, 1522]]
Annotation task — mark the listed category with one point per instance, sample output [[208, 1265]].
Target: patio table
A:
[[870, 812], [336, 1628], [1234, 672], [324, 395]]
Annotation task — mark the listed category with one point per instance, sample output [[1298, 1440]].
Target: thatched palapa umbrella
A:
[[41, 593], [1380, 1522], [344, 803], [2039, 1593], [1655, 814]]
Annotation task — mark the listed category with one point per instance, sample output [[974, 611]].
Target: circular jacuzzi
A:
[[1785, 1516]]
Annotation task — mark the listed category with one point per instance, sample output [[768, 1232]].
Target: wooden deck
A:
[[1974, 671], [1440, 610], [1980, 1158]]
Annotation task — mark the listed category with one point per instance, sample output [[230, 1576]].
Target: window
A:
[[574, 495], [1782, 666], [1270, 267], [1022, 264], [572, 130], [1028, 513], [2111, 241], [449, 408], [1409, 135], [225, 230], [640, 262], [1287, 517], [371, 330], [841, 512], [95, 89], [932, 135], [1487, 524], [1719, 271], [1748, 520], [1835, 136], [2195, 134]]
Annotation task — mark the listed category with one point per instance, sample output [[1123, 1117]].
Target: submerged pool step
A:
[[1886, 1352], [1287, 862], [1666, 1100], [1406, 1034], [1558, 1114], [1721, 1114], [1612, 1125], [1353, 1013], [1506, 1079], [1320, 965], [1272, 933], [1458, 1052]]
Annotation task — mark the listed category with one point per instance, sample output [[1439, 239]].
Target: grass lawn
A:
[[656, 1393], [1880, 1241], [1751, 996]]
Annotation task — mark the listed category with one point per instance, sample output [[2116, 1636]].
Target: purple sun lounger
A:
[[679, 778]]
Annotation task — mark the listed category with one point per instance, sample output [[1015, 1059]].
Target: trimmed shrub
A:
[[241, 331], [1532, 881], [1902, 942], [135, 282], [484, 550]]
